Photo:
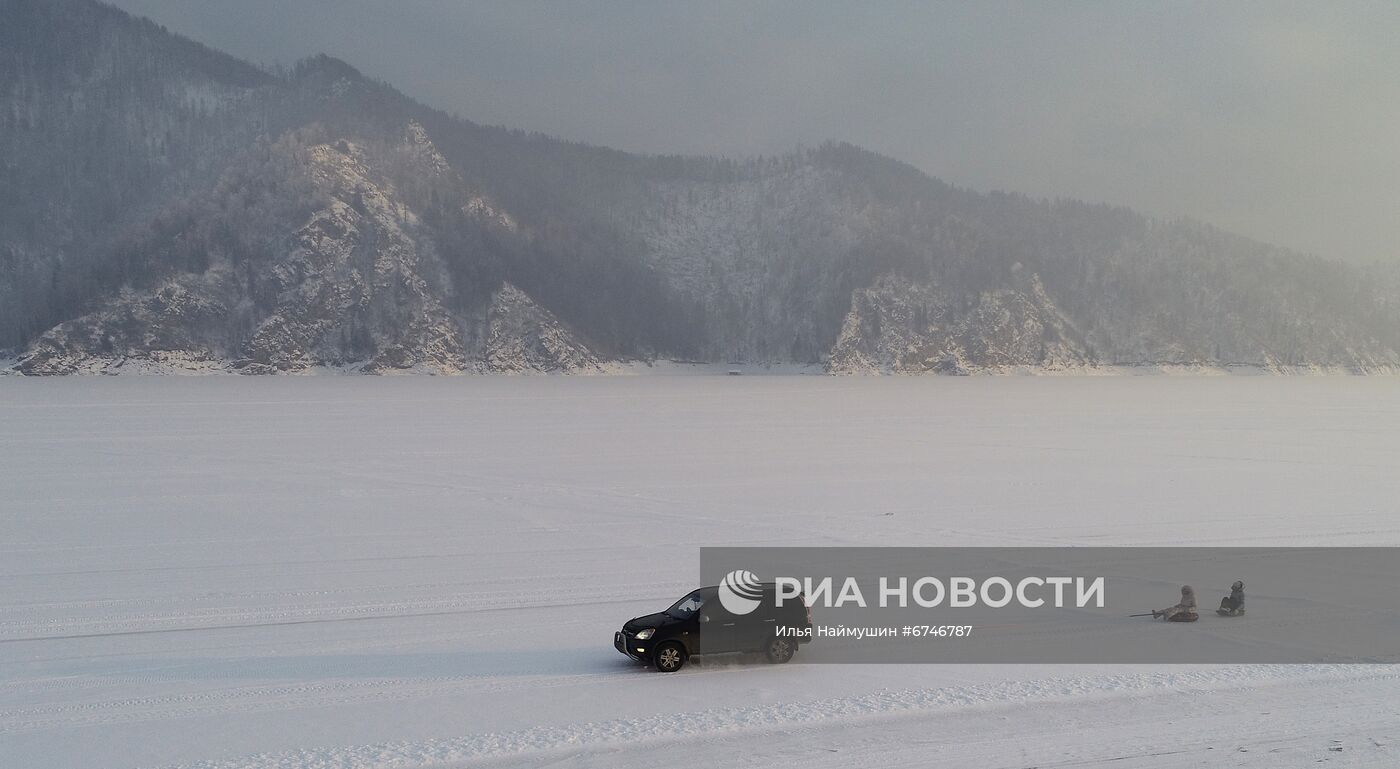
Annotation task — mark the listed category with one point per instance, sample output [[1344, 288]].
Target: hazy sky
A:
[[1277, 120]]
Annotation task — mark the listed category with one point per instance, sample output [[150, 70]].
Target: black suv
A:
[[699, 624]]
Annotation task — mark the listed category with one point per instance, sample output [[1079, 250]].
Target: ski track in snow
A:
[[223, 573]]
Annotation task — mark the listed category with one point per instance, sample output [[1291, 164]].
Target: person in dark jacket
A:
[[1185, 611], [1232, 605]]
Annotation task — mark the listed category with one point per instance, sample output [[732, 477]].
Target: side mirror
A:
[[704, 618]]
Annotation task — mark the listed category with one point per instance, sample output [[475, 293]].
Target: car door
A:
[[753, 631], [718, 628], [686, 623]]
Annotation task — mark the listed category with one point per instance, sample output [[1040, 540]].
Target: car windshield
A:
[[687, 606]]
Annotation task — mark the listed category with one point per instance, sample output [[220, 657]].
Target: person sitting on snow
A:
[[1232, 605], [1182, 612]]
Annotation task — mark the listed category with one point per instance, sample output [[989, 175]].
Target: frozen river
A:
[[365, 572]]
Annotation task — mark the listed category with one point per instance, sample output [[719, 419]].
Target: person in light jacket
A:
[[1182, 612]]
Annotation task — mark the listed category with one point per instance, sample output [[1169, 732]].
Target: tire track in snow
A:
[[550, 580], [255, 617]]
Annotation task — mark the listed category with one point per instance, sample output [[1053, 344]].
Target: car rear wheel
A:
[[780, 650], [669, 657]]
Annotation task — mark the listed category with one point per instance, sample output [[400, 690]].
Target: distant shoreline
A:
[[185, 368]]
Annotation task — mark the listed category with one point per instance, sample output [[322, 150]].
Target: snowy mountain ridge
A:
[[170, 208], [359, 278]]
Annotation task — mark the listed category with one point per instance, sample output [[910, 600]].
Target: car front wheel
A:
[[780, 650], [670, 657]]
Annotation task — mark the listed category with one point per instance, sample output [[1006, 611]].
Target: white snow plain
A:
[[352, 572]]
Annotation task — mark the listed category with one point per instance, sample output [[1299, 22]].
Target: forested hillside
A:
[[164, 207]]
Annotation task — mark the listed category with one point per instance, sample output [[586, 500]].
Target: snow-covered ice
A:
[[364, 572]]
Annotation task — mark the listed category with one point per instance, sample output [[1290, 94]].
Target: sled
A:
[[1230, 612], [1186, 616]]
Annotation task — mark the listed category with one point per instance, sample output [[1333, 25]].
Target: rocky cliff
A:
[[359, 285]]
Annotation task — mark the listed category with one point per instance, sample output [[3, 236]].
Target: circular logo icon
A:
[[740, 591]]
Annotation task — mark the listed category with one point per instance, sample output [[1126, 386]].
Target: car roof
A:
[[767, 587]]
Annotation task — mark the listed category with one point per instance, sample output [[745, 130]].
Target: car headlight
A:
[[645, 634]]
